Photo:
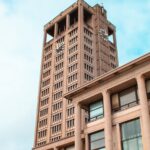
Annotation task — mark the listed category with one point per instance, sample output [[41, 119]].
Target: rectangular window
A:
[[96, 110], [131, 135], [148, 88], [70, 148], [97, 141], [128, 98], [124, 99]]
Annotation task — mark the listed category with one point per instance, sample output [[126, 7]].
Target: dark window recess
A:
[[148, 89], [87, 18], [50, 34], [73, 17], [61, 26]]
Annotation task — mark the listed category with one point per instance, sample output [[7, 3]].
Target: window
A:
[[96, 111], [57, 117], [128, 97], [97, 141], [125, 99], [70, 133], [70, 111], [57, 106], [73, 49], [44, 102], [42, 134], [43, 123], [45, 83], [57, 95], [45, 92], [72, 78], [148, 88], [72, 87], [46, 74], [70, 148], [59, 75], [41, 143], [47, 65], [56, 138], [43, 112], [58, 85], [73, 32], [56, 128], [70, 123], [131, 135], [87, 77]]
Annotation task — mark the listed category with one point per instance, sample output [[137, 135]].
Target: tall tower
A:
[[79, 45]]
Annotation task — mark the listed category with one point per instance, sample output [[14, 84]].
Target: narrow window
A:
[[96, 110], [148, 88]]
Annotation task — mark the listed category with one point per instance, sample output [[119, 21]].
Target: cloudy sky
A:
[[21, 36]]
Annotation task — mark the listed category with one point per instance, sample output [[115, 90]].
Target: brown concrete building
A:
[[79, 45], [118, 108]]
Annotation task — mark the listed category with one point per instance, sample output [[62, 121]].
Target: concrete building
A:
[[79, 45], [118, 108]]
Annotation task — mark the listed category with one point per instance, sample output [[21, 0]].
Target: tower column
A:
[[56, 30], [78, 142], [80, 41], [108, 121], [45, 38], [68, 22], [145, 112]]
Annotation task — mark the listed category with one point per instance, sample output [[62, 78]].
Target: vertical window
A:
[[97, 141], [131, 135], [148, 88], [70, 148], [96, 110]]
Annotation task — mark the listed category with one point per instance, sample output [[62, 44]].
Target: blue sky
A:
[[21, 36]]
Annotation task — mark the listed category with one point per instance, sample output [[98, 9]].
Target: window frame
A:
[[121, 134], [128, 105], [96, 117], [147, 93], [96, 139]]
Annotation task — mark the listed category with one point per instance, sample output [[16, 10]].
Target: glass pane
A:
[[127, 96], [97, 144], [96, 136], [102, 149], [131, 135], [131, 129], [97, 112], [95, 105], [125, 145], [148, 86], [133, 144], [70, 148], [140, 143]]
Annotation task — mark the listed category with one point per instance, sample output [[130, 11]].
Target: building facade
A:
[[79, 45], [118, 108]]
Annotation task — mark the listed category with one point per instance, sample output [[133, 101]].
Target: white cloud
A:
[[3, 9]]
